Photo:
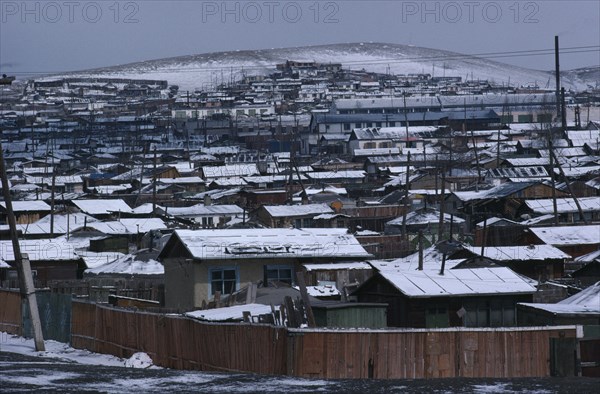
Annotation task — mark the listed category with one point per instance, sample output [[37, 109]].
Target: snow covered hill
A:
[[205, 70]]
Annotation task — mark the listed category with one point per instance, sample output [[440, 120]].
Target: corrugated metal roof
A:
[[563, 205], [24, 206], [458, 282], [521, 253], [586, 302], [297, 210], [568, 235], [102, 207]]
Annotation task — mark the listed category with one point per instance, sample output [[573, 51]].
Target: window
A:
[[544, 118], [279, 273], [436, 316], [304, 223], [496, 313], [223, 279], [525, 118], [207, 222], [346, 126]]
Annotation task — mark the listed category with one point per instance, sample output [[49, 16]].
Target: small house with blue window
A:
[[200, 263]]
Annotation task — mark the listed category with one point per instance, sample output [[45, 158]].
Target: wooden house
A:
[[539, 262], [254, 198], [573, 240], [199, 264], [581, 308], [25, 211], [50, 260], [503, 200], [476, 294], [345, 275], [566, 208], [298, 216]]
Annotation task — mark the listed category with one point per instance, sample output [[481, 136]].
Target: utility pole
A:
[[552, 179], [557, 75], [22, 262], [154, 186], [563, 110], [442, 206], [406, 200]]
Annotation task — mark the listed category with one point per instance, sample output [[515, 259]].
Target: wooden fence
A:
[[417, 354], [10, 312], [182, 343]]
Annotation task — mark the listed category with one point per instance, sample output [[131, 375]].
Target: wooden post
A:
[[442, 206], [304, 294], [406, 199], [420, 250], [290, 312], [443, 264], [153, 186], [22, 262]]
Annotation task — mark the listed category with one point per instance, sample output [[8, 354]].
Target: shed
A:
[[581, 308], [350, 315]]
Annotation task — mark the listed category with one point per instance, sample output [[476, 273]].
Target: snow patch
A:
[[57, 350], [139, 360]]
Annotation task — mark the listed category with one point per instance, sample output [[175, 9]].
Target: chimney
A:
[[443, 264], [207, 200]]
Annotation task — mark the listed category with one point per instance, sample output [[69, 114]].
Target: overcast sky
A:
[[54, 36]]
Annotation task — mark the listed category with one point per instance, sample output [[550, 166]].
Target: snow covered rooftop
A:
[[523, 253], [338, 266], [321, 291], [586, 302], [458, 282], [500, 191], [297, 210], [42, 226], [203, 210], [568, 235], [55, 250], [230, 313], [341, 174], [422, 217], [563, 205], [230, 244], [128, 265], [102, 207], [24, 206], [312, 190], [127, 226], [230, 170]]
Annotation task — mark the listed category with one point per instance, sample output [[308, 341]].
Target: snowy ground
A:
[[204, 71], [62, 368], [63, 352]]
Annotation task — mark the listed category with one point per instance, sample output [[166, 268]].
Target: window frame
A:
[[222, 269], [278, 267]]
